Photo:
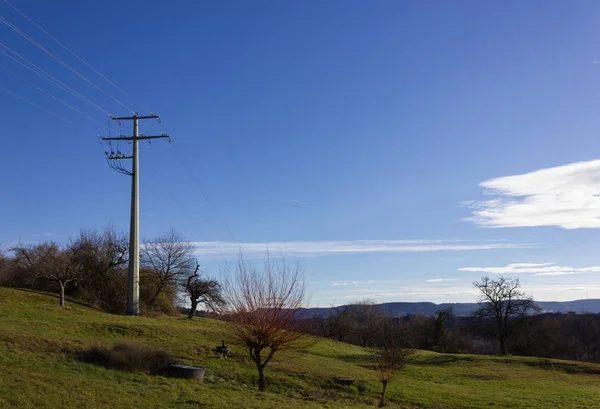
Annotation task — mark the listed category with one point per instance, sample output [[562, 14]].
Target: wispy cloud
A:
[[345, 283], [537, 269], [45, 234], [216, 249], [566, 196], [439, 280], [458, 290], [298, 201]]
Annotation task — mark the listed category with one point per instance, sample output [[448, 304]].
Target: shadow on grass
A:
[[53, 295], [439, 360], [571, 368], [357, 359]]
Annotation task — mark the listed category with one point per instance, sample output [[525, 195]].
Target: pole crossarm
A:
[[131, 118], [132, 138]]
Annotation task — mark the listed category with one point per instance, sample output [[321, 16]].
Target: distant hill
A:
[[398, 309]]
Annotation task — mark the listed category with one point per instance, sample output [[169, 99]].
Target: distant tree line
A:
[[92, 268], [504, 323]]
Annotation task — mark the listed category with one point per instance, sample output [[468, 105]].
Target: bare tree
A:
[[202, 291], [366, 319], [4, 267], [391, 357], [338, 324], [101, 258], [388, 362], [502, 301], [49, 262], [167, 258], [263, 306]]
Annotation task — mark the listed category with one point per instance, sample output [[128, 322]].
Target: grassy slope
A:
[[35, 371]]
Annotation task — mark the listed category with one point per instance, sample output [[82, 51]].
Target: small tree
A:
[[438, 330], [167, 259], [202, 291], [388, 362], [262, 306], [47, 261], [502, 301], [391, 357]]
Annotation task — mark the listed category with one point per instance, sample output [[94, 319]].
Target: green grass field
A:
[[37, 369]]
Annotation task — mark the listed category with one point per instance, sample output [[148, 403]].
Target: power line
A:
[[191, 174], [36, 105], [53, 96], [104, 77], [49, 77], [65, 47], [31, 40]]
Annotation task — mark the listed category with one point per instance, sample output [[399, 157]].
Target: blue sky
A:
[[374, 141]]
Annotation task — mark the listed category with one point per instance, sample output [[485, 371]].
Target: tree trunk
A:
[[502, 345], [156, 294], [381, 401], [262, 385], [193, 309], [62, 295]]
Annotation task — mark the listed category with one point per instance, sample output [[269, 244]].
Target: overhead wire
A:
[[116, 164], [187, 169], [39, 71], [53, 96], [36, 105], [104, 77], [65, 47], [73, 70]]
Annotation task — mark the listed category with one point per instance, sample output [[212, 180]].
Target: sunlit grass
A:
[[37, 369]]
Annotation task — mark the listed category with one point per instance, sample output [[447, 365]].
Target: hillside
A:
[[37, 370], [398, 309]]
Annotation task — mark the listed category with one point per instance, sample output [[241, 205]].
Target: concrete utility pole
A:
[[115, 161]]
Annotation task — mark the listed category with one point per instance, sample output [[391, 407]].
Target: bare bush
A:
[[263, 307], [128, 357]]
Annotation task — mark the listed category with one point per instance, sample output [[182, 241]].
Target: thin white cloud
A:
[[298, 201], [540, 269], [566, 196], [456, 293], [216, 249], [439, 280], [528, 265], [45, 234]]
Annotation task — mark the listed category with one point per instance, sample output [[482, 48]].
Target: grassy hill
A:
[[37, 369]]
